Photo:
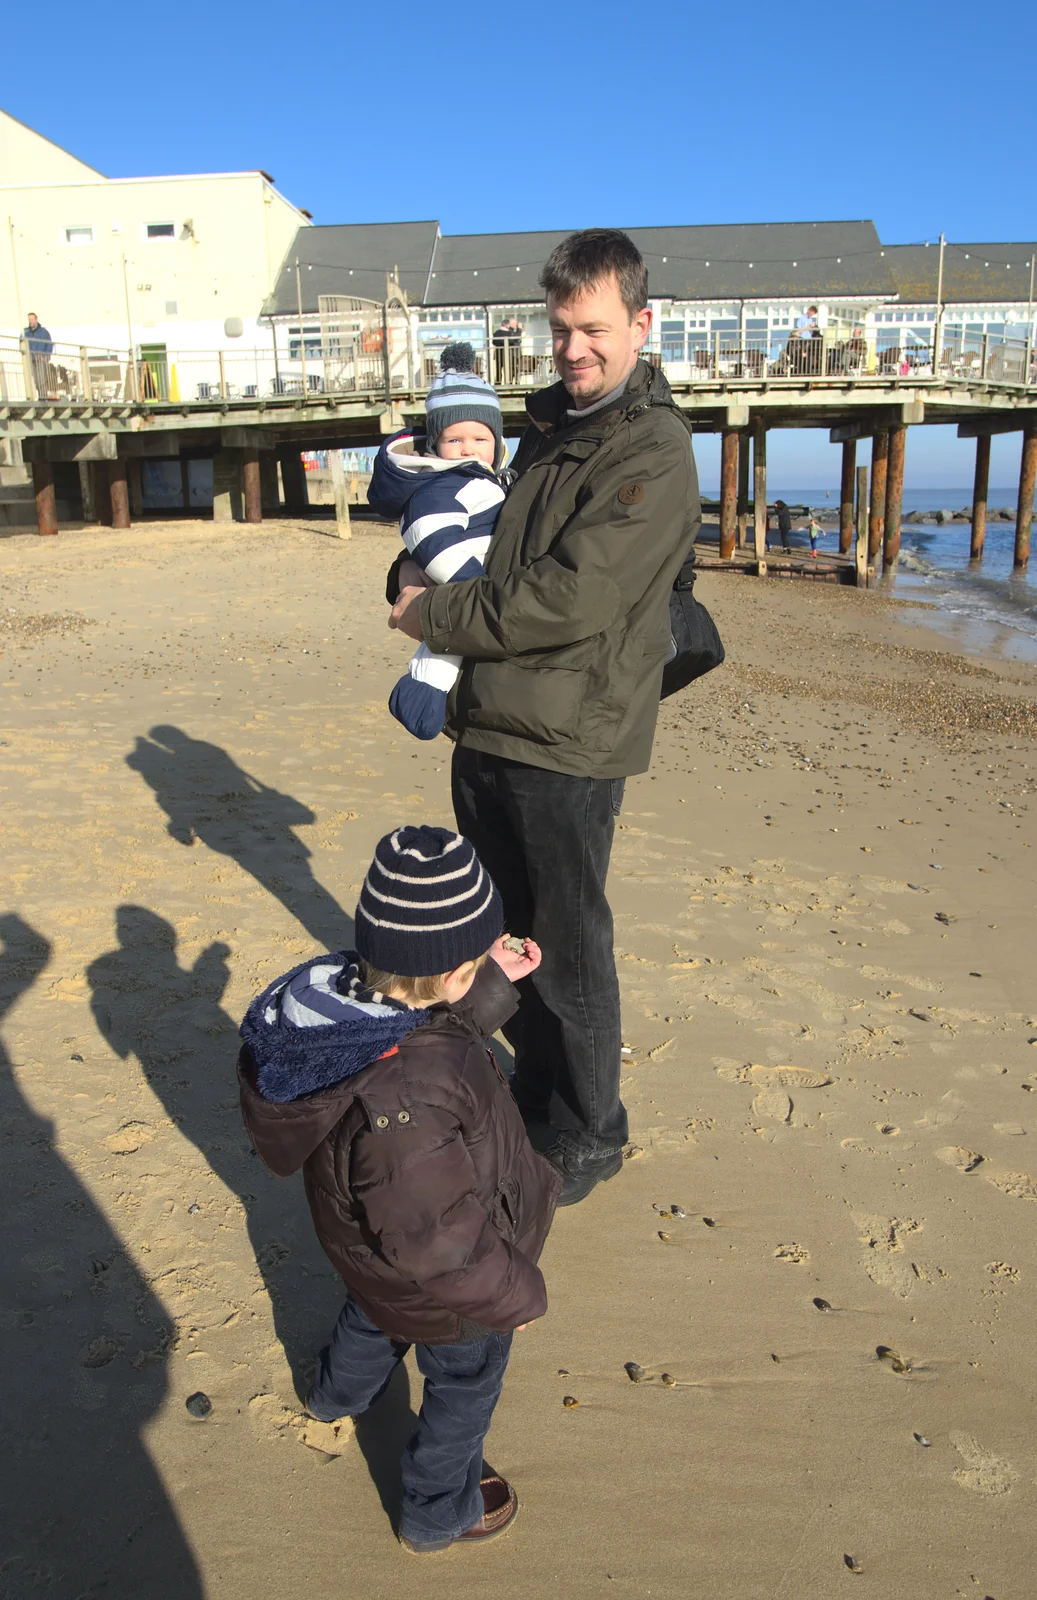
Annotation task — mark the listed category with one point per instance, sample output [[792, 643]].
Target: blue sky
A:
[[917, 115]]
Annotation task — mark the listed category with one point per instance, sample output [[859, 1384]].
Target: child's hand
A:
[[514, 965]]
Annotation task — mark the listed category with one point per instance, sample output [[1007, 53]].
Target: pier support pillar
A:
[[46, 507], [252, 485], [135, 485], [877, 515], [226, 486], [729, 440], [760, 488], [102, 491], [340, 485], [743, 487], [980, 488], [1024, 509], [846, 496], [269, 488], [293, 478], [120, 493], [86, 492], [894, 493], [185, 482], [860, 546]]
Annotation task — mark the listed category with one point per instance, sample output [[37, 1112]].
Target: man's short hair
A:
[[586, 259]]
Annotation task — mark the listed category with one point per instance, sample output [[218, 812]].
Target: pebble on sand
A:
[[198, 1404]]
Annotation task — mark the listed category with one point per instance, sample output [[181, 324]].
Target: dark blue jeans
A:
[[443, 1463], [545, 838]]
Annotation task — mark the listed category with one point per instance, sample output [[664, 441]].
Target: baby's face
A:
[[467, 439]]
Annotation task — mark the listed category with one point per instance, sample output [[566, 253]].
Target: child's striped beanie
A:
[[427, 905], [458, 394]]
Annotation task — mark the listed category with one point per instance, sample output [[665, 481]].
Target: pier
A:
[[85, 420]]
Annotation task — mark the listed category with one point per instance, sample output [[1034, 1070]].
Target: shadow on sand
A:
[[82, 1369], [207, 796], [170, 1017]]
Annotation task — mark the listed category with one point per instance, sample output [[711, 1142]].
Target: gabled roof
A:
[[726, 261], [972, 273], [354, 259]]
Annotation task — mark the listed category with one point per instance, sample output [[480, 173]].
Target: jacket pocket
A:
[[537, 703], [506, 1208]]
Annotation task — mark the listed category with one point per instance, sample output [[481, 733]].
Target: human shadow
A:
[[206, 795], [171, 1018], [382, 1434], [82, 1368]]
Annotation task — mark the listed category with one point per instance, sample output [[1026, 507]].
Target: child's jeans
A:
[[443, 1463]]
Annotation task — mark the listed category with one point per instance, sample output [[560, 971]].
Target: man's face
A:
[[595, 341], [34, 320]]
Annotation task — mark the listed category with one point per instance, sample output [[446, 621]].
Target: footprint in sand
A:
[[956, 1156], [774, 1077], [130, 1137], [981, 1472], [772, 1105], [1017, 1185]]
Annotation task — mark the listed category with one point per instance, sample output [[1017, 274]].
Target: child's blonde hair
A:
[[415, 991]]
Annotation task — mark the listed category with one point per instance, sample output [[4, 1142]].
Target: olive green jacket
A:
[[565, 638]]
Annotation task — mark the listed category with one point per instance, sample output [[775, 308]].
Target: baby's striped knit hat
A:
[[458, 394], [427, 906]]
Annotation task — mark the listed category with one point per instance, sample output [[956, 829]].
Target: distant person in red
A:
[[40, 346]]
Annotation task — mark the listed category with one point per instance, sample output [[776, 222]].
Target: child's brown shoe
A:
[[500, 1508]]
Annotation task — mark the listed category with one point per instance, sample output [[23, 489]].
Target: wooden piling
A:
[[743, 487], [293, 479], [877, 514], [102, 490], [1024, 509], [979, 497], [728, 492], [120, 493], [86, 493], [252, 485], [861, 542], [340, 486], [846, 496], [894, 493], [760, 488], [46, 506]]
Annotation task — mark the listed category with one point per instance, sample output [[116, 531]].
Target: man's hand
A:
[[404, 615], [514, 965]]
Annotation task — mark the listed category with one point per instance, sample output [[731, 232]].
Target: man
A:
[[784, 523], [40, 346], [507, 343], [564, 642]]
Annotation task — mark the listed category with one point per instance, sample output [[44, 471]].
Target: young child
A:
[[814, 532], [446, 496], [370, 1070]]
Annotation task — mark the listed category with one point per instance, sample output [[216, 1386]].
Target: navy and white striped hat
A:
[[427, 906], [458, 394]]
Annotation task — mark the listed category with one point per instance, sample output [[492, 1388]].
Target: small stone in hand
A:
[[517, 945]]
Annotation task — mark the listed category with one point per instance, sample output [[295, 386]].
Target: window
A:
[[79, 235], [159, 230]]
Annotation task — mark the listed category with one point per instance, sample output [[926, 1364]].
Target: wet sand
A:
[[824, 893]]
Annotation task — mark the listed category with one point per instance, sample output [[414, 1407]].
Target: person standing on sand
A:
[[563, 643]]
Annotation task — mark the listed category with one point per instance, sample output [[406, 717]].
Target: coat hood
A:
[[400, 470], [307, 1036]]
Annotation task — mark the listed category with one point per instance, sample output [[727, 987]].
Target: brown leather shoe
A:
[[500, 1508]]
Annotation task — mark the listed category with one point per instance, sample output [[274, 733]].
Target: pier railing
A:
[[157, 374]]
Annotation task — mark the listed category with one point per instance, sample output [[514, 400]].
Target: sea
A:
[[990, 609]]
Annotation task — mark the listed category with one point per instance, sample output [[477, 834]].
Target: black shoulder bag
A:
[[695, 645]]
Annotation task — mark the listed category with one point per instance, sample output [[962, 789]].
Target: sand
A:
[[824, 893]]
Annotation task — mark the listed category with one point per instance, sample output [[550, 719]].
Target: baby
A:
[[447, 501]]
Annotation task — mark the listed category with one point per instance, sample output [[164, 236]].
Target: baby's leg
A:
[[419, 698]]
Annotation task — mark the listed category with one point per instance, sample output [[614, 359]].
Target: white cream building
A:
[[185, 262]]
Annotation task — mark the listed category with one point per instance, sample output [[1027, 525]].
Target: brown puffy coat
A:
[[425, 1192]]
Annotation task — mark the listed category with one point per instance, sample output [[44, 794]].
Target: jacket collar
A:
[[548, 407]]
